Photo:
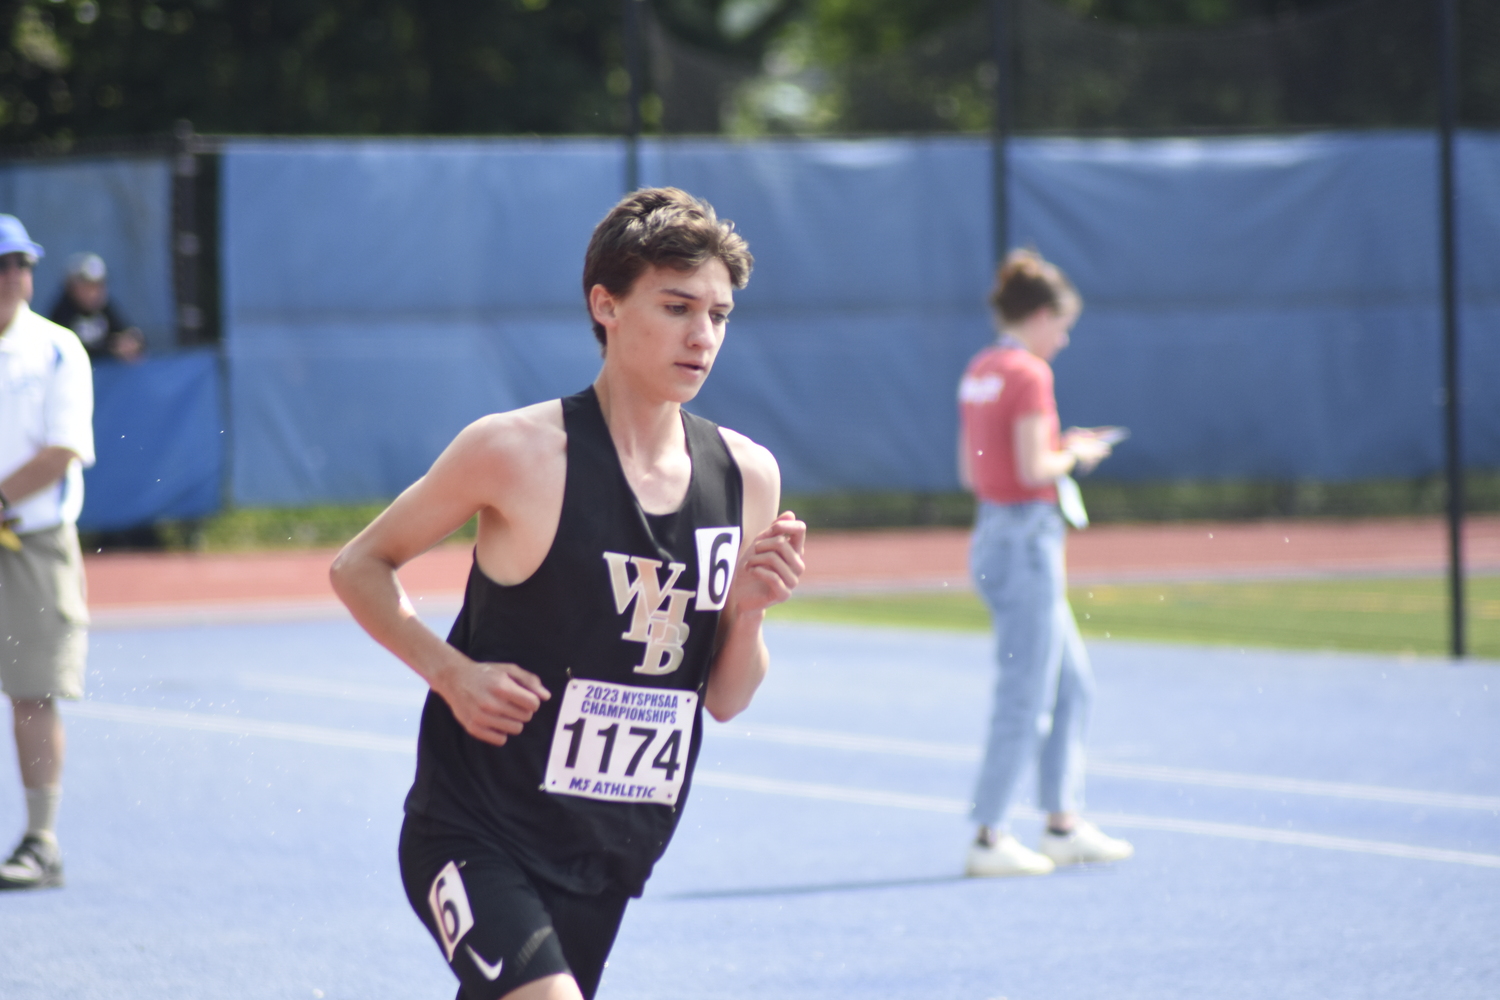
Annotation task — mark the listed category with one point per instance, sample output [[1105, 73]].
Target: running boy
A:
[[626, 556]]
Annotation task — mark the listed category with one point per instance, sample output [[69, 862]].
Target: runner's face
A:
[[667, 329], [1046, 330]]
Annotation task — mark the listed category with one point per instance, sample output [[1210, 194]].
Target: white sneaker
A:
[[1007, 856], [1086, 844]]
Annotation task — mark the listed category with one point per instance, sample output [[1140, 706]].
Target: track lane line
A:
[[355, 740], [234, 725], [405, 697], [1234, 831], [853, 742], [857, 743]]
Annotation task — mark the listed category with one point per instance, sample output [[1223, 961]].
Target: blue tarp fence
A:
[[119, 208], [158, 440], [158, 424], [1256, 307], [1260, 308]]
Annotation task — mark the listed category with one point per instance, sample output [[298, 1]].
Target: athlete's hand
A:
[[771, 565], [1087, 447], [492, 701]]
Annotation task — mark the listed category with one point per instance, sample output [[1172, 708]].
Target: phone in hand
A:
[[1111, 435]]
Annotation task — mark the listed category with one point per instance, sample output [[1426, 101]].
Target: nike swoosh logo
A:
[[490, 972]]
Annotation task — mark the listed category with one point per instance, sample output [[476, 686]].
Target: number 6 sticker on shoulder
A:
[[620, 743]]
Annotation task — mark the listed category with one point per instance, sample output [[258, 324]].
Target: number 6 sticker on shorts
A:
[[619, 743], [450, 908], [718, 555]]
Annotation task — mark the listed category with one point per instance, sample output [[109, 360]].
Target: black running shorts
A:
[[498, 927]]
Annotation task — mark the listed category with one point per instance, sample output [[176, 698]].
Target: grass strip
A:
[[331, 525], [1391, 615]]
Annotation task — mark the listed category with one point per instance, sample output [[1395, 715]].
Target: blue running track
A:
[[1309, 825]]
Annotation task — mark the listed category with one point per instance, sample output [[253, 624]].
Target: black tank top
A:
[[622, 597]]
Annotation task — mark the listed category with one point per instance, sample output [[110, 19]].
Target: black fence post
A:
[[1452, 400], [187, 244], [633, 48], [1000, 127]]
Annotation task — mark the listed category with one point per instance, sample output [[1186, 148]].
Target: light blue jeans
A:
[[1045, 687]]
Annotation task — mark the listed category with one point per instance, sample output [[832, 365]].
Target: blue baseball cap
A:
[[14, 239]]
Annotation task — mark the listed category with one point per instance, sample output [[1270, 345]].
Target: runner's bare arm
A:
[[496, 467], [770, 566]]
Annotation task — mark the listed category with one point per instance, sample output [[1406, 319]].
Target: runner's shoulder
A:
[[758, 468], [524, 438]]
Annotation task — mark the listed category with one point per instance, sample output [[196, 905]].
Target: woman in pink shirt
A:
[[1012, 457]]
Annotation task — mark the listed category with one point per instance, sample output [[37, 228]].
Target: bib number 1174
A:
[[620, 743]]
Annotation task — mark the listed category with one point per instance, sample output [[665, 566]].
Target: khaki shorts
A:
[[44, 616]]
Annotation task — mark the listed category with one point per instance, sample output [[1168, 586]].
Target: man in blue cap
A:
[[46, 438]]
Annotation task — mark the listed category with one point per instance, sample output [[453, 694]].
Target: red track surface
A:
[[1191, 551], [122, 583]]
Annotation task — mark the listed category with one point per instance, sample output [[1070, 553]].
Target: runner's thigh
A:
[[497, 927]]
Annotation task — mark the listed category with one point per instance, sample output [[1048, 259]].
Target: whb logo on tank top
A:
[[657, 607]]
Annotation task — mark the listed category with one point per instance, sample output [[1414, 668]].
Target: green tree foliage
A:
[[704, 52], [1187, 13], [77, 69], [1148, 66], [925, 65], [852, 28], [90, 68], [739, 29]]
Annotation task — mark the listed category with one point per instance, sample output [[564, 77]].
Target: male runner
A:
[[626, 556]]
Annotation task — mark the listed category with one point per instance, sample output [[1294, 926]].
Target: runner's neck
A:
[[651, 445]]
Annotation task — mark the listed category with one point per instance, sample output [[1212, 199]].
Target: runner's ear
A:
[[601, 303]]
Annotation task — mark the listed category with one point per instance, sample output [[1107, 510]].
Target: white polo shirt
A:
[[46, 400]]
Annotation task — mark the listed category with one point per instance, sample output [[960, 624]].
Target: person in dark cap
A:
[[84, 308], [46, 438]]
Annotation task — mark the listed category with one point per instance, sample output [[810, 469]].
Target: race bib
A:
[[619, 743]]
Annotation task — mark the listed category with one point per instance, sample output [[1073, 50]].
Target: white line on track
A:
[[406, 697], [829, 793], [1236, 831], [234, 725], [351, 739], [792, 736], [411, 697]]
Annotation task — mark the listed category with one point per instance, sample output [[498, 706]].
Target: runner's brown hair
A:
[[1025, 282], [660, 227]]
